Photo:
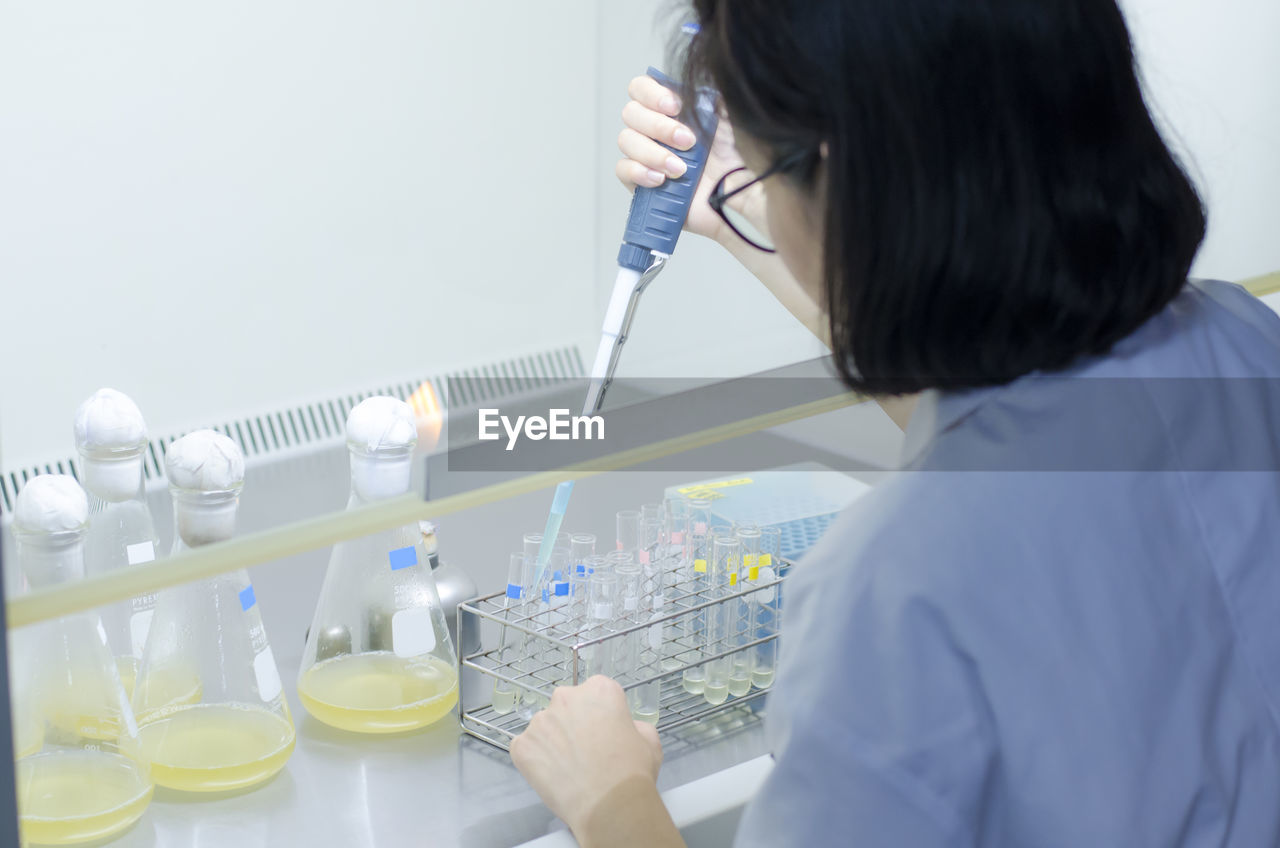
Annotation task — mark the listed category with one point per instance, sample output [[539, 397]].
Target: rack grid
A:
[[556, 652]]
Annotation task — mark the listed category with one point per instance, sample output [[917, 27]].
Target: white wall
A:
[[1212, 71], [217, 207]]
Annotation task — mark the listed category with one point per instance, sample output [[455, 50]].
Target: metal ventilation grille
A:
[[324, 421]]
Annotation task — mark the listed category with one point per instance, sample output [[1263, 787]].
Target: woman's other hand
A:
[[591, 764], [650, 117]]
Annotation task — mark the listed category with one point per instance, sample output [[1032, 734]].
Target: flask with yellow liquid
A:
[[211, 711], [79, 771], [378, 657]]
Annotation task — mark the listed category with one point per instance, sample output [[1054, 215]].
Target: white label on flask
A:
[[765, 596], [139, 626], [602, 611], [629, 603], [264, 669], [140, 553], [412, 633], [655, 637]]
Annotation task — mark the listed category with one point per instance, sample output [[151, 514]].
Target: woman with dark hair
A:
[[1057, 624]]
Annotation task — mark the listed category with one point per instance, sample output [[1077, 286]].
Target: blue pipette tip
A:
[[559, 505]]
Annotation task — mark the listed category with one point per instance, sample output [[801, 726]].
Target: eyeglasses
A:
[[737, 181]]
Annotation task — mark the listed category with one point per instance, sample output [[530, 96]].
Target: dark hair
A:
[[998, 199]]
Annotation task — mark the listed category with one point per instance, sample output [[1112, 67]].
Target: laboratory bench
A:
[[439, 786]]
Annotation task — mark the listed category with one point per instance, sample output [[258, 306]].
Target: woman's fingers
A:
[[649, 153], [657, 126], [632, 174], [647, 91]]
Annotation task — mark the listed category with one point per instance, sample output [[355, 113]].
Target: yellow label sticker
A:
[[766, 560], [709, 489], [753, 573], [700, 565], [733, 579], [748, 560]]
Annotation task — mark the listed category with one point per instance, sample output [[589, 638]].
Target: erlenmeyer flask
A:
[[378, 657], [111, 437], [79, 772], [211, 710]]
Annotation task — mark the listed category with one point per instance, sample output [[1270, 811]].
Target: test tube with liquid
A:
[[675, 527], [532, 615], [721, 570], [697, 585], [510, 640], [626, 648], [767, 608], [742, 614]]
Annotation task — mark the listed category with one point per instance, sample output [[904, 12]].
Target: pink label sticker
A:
[[677, 538], [700, 528], [644, 557], [619, 544]]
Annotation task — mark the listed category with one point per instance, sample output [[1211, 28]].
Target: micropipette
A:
[[653, 227]]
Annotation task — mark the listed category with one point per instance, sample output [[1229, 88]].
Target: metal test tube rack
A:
[[555, 656]]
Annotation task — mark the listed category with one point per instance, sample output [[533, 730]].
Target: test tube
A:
[[699, 553], [675, 527], [629, 530], [509, 639], [604, 590], [582, 546], [626, 649], [724, 564], [742, 614], [767, 607], [530, 611]]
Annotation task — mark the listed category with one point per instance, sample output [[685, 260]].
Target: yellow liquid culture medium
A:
[[72, 796], [379, 692], [215, 747]]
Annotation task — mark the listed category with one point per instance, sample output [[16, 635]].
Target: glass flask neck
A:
[[202, 518], [48, 559], [112, 476], [377, 475]]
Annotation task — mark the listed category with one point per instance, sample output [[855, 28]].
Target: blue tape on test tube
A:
[[513, 591], [247, 598]]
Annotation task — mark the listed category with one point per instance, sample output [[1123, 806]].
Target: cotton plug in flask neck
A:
[[79, 772], [379, 658], [211, 711]]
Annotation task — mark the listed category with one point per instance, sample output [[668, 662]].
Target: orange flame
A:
[[427, 413]]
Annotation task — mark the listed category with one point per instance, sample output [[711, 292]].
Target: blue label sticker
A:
[[557, 575], [247, 600], [403, 558], [562, 588], [546, 594], [513, 591], [582, 570]]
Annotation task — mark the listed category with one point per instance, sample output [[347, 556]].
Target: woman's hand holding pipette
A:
[[650, 117], [596, 768]]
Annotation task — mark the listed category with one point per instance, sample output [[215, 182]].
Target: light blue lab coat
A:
[[1060, 624]]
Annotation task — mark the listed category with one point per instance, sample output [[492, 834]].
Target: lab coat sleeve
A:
[[878, 721], [840, 799]]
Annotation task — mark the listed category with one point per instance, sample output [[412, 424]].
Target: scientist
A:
[[1059, 624]]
